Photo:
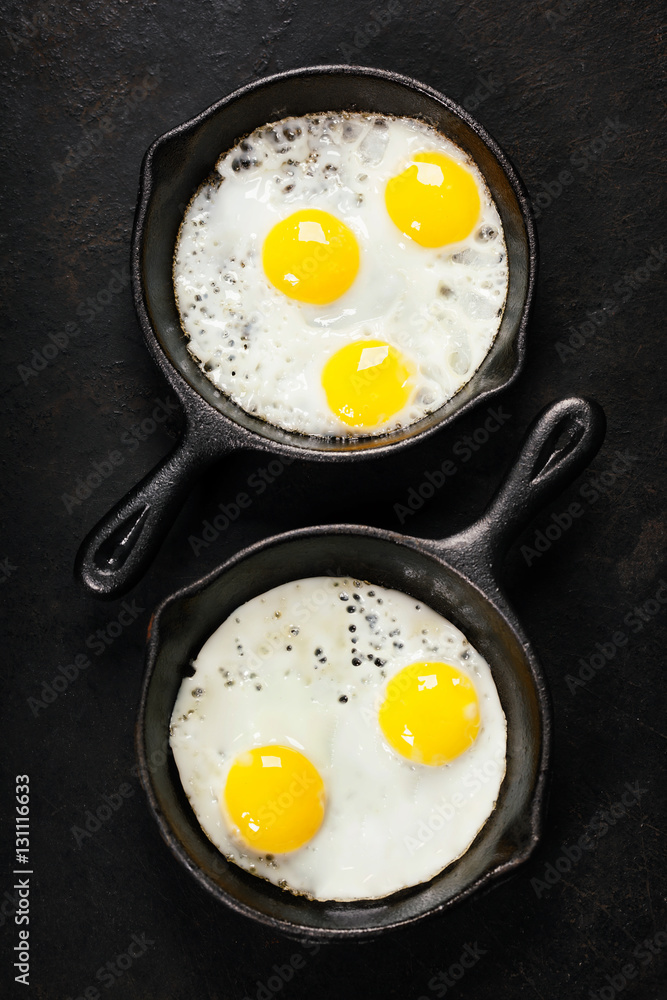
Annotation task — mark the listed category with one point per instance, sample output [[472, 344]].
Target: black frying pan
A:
[[118, 550], [457, 577]]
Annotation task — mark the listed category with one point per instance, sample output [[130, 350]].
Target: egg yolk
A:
[[434, 201], [274, 798], [367, 382], [311, 256], [430, 713]]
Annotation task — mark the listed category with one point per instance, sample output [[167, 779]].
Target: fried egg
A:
[[339, 739], [343, 274]]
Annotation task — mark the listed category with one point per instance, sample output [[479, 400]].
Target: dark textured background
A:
[[562, 87]]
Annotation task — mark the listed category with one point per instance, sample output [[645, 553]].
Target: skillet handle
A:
[[557, 448], [119, 549]]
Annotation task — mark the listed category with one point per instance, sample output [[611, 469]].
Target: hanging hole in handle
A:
[[114, 550], [557, 447]]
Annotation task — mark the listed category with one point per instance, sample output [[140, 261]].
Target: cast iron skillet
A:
[[118, 550], [457, 578]]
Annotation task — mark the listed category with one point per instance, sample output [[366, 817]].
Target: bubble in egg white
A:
[[266, 351]]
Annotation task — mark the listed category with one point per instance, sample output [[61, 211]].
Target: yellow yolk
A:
[[434, 201], [311, 256], [274, 798], [367, 382], [430, 713]]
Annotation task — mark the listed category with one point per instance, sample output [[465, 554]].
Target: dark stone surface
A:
[[562, 88]]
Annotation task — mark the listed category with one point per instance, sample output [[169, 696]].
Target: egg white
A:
[[441, 307], [275, 673]]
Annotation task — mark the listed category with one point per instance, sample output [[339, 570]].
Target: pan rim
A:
[[262, 435], [534, 810]]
